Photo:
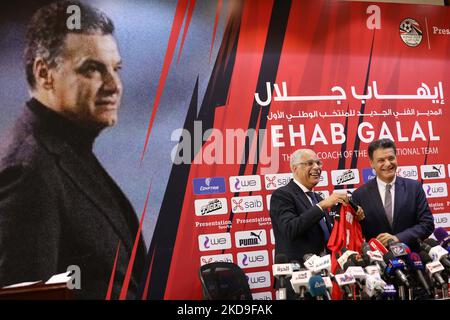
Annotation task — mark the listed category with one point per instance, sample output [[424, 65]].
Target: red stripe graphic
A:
[[216, 22], [126, 281], [147, 281], [113, 272], [173, 39], [190, 11]]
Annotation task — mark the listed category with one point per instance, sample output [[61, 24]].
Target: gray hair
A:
[[296, 155], [47, 31]]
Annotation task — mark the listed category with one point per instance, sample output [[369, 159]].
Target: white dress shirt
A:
[[305, 189]]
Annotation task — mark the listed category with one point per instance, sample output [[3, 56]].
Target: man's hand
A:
[[385, 237], [360, 214], [333, 199]]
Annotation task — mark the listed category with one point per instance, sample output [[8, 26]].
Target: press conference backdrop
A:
[[219, 93]]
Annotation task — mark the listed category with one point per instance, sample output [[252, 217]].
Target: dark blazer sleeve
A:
[[292, 223], [424, 219], [29, 226]]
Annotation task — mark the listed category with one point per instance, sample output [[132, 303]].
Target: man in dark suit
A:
[[58, 206], [299, 216], [396, 208]]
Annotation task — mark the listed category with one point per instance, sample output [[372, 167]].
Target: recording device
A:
[[282, 270]]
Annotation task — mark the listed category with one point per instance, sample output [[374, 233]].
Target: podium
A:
[[38, 291]]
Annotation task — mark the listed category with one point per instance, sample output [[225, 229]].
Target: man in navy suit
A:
[[396, 208], [299, 216]]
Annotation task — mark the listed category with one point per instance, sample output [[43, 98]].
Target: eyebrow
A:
[[98, 64]]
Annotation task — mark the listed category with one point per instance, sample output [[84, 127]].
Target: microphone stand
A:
[[402, 292], [410, 294], [445, 290]]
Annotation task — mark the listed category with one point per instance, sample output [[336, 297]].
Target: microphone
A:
[[309, 261], [398, 249], [437, 253], [442, 236], [376, 245], [317, 287], [374, 286], [323, 264], [373, 271], [300, 282], [344, 256], [372, 257], [415, 264], [329, 286], [296, 266], [344, 280], [395, 267], [281, 270], [353, 267], [389, 292], [433, 268]]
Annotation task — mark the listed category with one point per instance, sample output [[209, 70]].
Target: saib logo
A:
[[274, 181], [368, 174], [247, 204], [262, 295], [409, 172], [216, 258], [209, 185]]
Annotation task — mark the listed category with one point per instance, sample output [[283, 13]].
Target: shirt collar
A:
[[81, 139], [382, 184], [305, 189]]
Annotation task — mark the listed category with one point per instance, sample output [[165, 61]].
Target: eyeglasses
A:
[[310, 163]]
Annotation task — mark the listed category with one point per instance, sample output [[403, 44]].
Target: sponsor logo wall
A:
[[339, 130]]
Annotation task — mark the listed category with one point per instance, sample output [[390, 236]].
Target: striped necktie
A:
[[322, 222]]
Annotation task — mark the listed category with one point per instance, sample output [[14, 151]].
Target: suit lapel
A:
[[306, 203], [85, 180], [378, 203], [301, 195]]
